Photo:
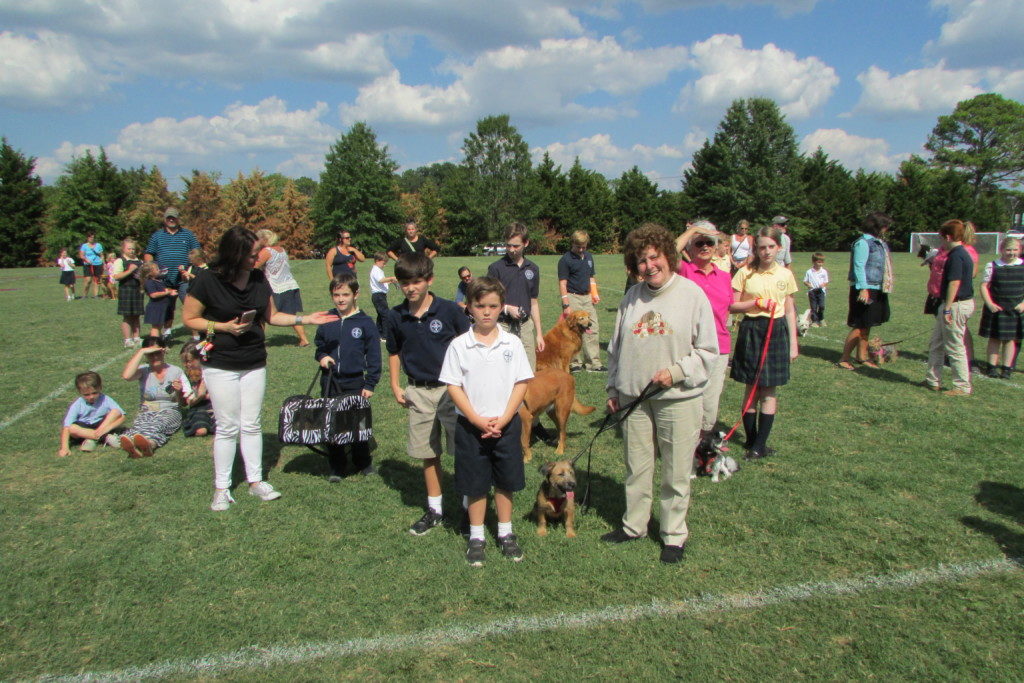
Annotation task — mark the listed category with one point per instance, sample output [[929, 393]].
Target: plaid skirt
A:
[[747, 354], [129, 301], [1003, 325]]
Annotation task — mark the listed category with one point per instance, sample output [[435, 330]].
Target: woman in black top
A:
[[342, 257], [231, 302]]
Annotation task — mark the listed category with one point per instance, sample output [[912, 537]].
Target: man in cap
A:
[[783, 257], [169, 247]]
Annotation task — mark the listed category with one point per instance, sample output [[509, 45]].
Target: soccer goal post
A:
[[984, 242]]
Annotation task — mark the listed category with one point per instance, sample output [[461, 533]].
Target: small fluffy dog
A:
[[803, 323], [880, 353], [710, 458], [556, 498]]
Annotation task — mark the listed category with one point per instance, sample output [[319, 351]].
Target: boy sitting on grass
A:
[[418, 333], [91, 417], [486, 370]]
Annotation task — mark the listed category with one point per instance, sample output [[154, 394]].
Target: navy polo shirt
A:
[[422, 342], [959, 266], [522, 283], [576, 271]]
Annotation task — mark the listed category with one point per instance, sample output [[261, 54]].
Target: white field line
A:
[[283, 655], [67, 386], [975, 376]]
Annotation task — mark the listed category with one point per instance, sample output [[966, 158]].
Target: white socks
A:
[[476, 533], [504, 529], [434, 503]]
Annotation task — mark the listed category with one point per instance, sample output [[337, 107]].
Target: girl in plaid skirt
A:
[[130, 305], [763, 290], [1002, 287]]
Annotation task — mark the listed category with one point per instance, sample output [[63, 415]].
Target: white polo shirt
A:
[[376, 286], [486, 373]]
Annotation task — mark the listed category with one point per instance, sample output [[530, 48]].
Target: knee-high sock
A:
[[750, 428], [764, 430]]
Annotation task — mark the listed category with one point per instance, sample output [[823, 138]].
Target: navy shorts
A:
[[482, 464]]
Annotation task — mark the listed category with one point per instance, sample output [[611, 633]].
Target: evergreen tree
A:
[[201, 209], [637, 201], [466, 233], [431, 220], [589, 206], [829, 216], [147, 213], [750, 170], [501, 187], [357, 192], [90, 197], [294, 226], [248, 202], [551, 194], [306, 186], [983, 139], [923, 197], [22, 208]]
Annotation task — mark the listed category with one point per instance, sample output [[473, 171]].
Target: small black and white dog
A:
[[710, 458]]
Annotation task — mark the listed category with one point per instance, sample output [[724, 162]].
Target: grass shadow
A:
[[1004, 499], [288, 340], [1010, 542], [406, 477], [307, 462]]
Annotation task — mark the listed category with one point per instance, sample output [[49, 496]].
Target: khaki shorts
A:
[[429, 410]]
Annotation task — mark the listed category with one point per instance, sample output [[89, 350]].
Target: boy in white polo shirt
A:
[[486, 370]]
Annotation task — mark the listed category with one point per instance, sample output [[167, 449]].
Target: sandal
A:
[[845, 365], [869, 364]]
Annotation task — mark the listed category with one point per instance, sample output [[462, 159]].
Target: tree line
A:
[[750, 169]]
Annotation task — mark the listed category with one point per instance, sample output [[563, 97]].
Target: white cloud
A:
[[48, 70], [600, 153], [980, 33], [800, 86], [302, 165], [924, 90], [785, 7], [853, 151], [538, 84], [49, 168]]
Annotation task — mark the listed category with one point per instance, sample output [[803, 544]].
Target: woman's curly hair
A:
[[647, 236]]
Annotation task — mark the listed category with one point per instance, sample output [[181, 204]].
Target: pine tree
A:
[[154, 198], [589, 207], [432, 221], [89, 197], [294, 226], [22, 208], [248, 202], [829, 216], [637, 201], [202, 208], [357, 192]]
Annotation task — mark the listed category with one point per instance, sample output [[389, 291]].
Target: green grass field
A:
[[118, 566]]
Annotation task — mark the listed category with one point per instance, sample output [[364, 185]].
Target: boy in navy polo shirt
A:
[[578, 288], [520, 276], [486, 371], [348, 350], [418, 332]]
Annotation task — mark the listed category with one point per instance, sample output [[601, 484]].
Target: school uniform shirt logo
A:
[[781, 284], [507, 355], [357, 332], [435, 326], [528, 275], [651, 324]]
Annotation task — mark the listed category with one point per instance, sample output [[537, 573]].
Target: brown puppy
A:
[[553, 391], [563, 341], [556, 497]]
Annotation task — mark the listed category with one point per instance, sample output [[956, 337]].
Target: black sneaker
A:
[[754, 454], [510, 547], [428, 521], [334, 478], [475, 552], [368, 471], [464, 523], [672, 554], [618, 536], [599, 368], [575, 367], [1007, 372]]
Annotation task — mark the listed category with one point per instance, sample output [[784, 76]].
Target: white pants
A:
[[237, 398]]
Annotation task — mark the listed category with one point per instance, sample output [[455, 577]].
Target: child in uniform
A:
[[91, 417], [1002, 288], [418, 333], [763, 289], [379, 290], [816, 281], [67, 274], [130, 305], [348, 350], [198, 419], [159, 297], [486, 370]]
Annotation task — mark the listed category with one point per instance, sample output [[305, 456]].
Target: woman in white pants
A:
[[231, 302]]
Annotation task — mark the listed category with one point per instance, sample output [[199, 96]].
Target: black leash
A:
[[611, 420]]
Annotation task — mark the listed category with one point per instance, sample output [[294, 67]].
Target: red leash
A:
[[757, 376]]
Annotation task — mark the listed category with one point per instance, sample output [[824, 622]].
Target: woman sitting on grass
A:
[[162, 388]]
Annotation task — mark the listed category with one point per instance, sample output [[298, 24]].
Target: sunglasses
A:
[[467, 277], [700, 244]]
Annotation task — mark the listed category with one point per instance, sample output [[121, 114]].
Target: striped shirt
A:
[[170, 251]]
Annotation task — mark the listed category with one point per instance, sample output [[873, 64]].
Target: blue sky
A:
[[231, 85]]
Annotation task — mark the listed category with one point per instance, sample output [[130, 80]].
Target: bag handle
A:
[[316, 376]]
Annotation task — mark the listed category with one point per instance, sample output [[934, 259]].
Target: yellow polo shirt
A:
[[776, 284]]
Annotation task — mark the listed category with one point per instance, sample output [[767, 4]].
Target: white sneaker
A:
[[264, 491], [129, 343], [222, 500], [112, 440], [88, 445], [137, 341], [167, 334]]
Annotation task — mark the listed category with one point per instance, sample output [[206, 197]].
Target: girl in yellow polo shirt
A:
[[763, 290]]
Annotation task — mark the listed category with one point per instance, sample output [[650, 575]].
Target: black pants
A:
[[380, 303], [817, 298], [337, 457]]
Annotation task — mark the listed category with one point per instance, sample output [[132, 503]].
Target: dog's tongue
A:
[[571, 495]]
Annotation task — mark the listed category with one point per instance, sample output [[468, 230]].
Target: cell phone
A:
[[247, 317]]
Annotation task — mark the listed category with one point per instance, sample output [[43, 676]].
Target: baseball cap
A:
[[171, 212], [780, 220]]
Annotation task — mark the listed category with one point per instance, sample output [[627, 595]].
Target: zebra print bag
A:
[[329, 420]]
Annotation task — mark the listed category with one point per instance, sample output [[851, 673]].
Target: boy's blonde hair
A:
[[580, 238], [88, 380]]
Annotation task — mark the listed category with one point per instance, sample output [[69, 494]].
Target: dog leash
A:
[[611, 420], [757, 375]]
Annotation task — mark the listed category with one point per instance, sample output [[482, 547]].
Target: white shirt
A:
[[782, 256], [67, 263], [486, 373], [816, 278], [376, 275], [998, 263]]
